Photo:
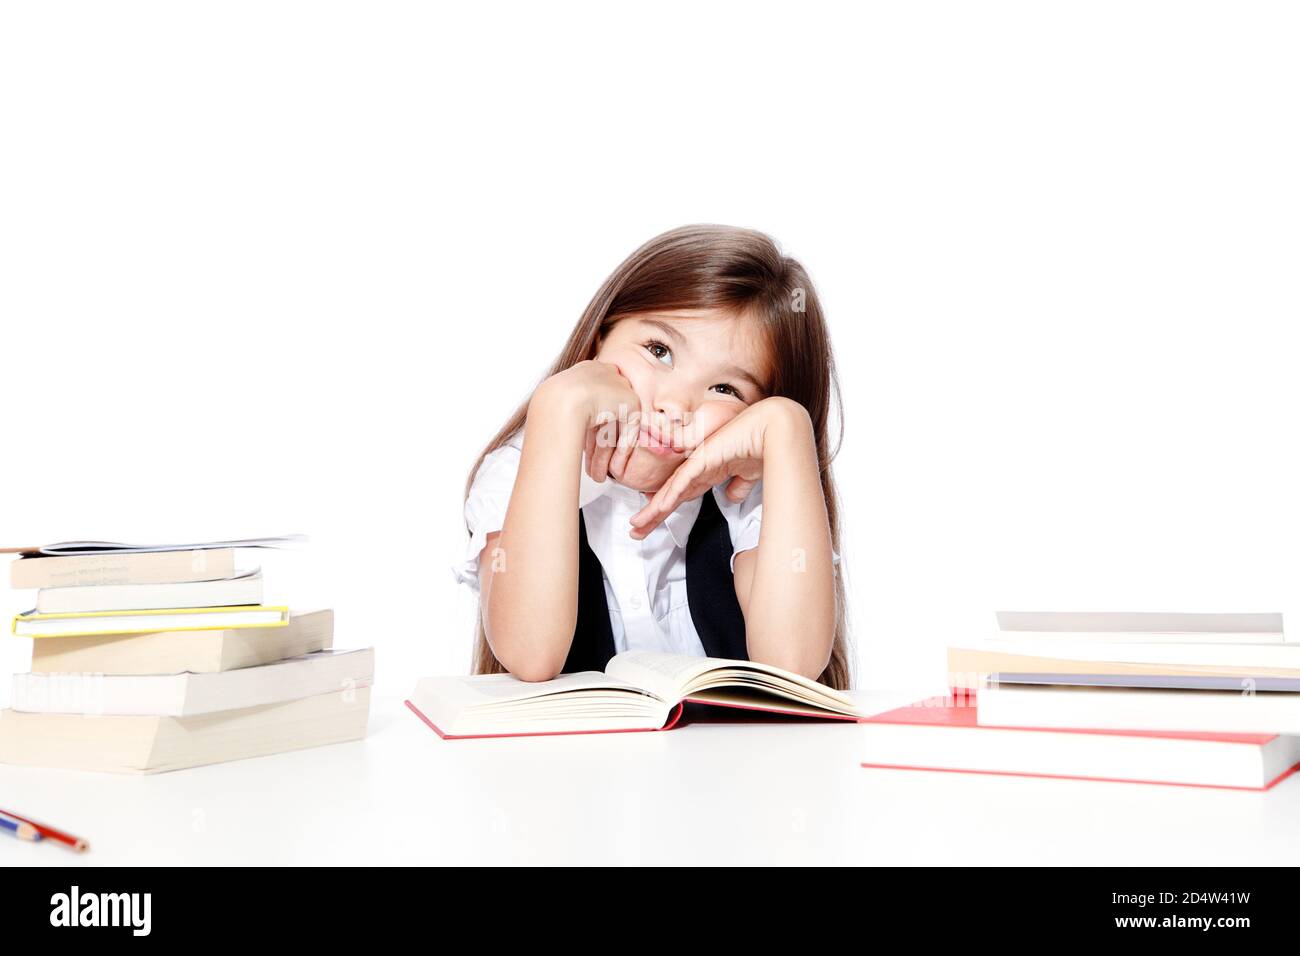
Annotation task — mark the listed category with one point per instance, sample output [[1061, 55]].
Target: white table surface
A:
[[757, 793]]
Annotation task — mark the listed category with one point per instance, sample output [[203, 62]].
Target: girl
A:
[[688, 410]]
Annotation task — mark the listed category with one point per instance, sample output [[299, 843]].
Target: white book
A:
[[1139, 627], [244, 588], [969, 665], [139, 744], [186, 695], [1126, 708], [1275, 656]]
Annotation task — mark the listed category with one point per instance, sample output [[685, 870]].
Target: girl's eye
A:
[[661, 351], [654, 346]]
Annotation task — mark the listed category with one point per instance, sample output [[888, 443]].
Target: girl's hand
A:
[[736, 451], [603, 399]]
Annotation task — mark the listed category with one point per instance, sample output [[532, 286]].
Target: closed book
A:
[[945, 734], [1138, 627], [173, 652], [104, 623], [245, 588], [185, 695], [1122, 708], [969, 666], [121, 744], [112, 567]]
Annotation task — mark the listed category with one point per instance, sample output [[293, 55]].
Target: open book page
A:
[[490, 689], [758, 700], [493, 704], [675, 677], [740, 683], [665, 675]]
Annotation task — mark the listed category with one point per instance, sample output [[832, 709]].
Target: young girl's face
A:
[[693, 371]]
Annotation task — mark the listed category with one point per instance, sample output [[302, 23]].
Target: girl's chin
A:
[[647, 472]]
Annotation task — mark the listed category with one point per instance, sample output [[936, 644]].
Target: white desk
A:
[[758, 793]]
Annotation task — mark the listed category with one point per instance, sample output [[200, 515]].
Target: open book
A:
[[638, 690]]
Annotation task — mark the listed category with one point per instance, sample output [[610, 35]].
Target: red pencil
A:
[[50, 833]]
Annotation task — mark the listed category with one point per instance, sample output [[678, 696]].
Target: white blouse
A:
[[645, 581]]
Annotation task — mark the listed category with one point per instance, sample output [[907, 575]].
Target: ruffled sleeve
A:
[[485, 508], [744, 519]]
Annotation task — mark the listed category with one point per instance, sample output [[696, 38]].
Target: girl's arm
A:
[[529, 582], [528, 585], [786, 586]]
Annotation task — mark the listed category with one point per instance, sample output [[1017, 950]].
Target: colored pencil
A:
[[19, 828], [49, 832]]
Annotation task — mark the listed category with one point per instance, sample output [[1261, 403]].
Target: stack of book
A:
[[1194, 699], [154, 658]]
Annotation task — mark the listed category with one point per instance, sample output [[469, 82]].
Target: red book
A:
[[942, 733]]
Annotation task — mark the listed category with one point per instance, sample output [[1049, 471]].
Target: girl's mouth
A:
[[651, 444]]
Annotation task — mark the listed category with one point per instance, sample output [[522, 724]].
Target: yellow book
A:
[[88, 623]]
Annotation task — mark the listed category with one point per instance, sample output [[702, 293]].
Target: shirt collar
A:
[[679, 523]]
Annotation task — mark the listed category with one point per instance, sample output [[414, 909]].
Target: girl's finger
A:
[[667, 497], [654, 509], [601, 464], [666, 507], [606, 438], [739, 488], [627, 442], [590, 452]]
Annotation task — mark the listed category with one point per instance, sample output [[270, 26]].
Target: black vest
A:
[[710, 595]]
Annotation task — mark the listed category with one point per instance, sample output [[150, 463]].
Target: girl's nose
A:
[[671, 412], [672, 420]]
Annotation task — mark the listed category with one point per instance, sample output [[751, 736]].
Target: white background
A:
[[272, 267]]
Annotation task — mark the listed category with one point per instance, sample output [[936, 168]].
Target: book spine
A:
[[153, 567]]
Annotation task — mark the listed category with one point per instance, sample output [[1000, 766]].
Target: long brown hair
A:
[[720, 267]]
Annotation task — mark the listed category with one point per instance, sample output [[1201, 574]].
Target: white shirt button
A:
[[634, 602]]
